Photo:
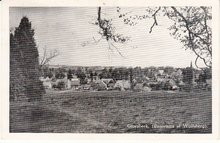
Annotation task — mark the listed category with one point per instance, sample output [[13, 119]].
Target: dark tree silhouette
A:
[[69, 74], [188, 75], [24, 72], [17, 77], [81, 75]]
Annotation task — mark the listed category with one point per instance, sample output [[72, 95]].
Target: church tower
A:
[[191, 65], [193, 77]]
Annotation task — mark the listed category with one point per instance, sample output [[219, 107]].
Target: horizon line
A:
[[121, 66]]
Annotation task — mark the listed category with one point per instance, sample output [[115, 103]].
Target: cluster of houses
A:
[[74, 84], [159, 81]]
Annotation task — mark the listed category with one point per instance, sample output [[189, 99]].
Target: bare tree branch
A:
[[99, 19], [47, 58], [198, 55], [44, 57], [117, 50], [155, 19]]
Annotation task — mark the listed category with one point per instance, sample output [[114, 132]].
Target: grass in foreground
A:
[[114, 112]]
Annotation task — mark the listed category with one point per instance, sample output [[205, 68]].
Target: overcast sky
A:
[[66, 29]]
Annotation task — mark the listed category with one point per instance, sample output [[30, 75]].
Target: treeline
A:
[[81, 72], [123, 73]]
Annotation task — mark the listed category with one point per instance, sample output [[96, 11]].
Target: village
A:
[[122, 78], [101, 69]]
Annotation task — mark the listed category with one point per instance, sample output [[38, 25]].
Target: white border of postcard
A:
[[4, 72]]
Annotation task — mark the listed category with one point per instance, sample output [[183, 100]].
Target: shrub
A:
[[61, 85]]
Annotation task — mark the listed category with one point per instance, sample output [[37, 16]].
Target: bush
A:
[[187, 88], [54, 86], [61, 85], [155, 86]]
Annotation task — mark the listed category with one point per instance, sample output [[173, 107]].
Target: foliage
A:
[[188, 75], [81, 75], [17, 77], [69, 74], [60, 75], [206, 74], [60, 85], [191, 26], [46, 72], [107, 30], [24, 60], [108, 33]]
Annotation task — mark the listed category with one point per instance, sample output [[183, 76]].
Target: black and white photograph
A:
[[110, 69]]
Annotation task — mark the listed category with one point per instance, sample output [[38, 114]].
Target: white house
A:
[[122, 85]]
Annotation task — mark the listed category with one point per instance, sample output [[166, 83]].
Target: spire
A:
[[191, 65]]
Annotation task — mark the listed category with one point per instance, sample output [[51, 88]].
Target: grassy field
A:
[[114, 112]]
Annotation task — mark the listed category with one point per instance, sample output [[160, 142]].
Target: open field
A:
[[114, 112]]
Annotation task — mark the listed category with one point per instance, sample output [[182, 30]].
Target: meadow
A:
[[114, 112]]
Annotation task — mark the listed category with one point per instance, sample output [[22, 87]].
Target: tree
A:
[[188, 75], [104, 73], [169, 69], [60, 73], [206, 74], [131, 77], [81, 75], [69, 74], [123, 73], [46, 72], [202, 78], [17, 77], [137, 72], [25, 54], [191, 26], [110, 72], [108, 33], [116, 74], [46, 58]]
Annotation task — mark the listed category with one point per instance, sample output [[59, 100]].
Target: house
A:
[[75, 83], [146, 88], [98, 85], [141, 79], [160, 79], [46, 82], [61, 83], [169, 84], [41, 79], [209, 81], [209, 84], [161, 72], [86, 87], [176, 74], [154, 85], [138, 87], [122, 85], [96, 78], [44, 79], [109, 82]]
